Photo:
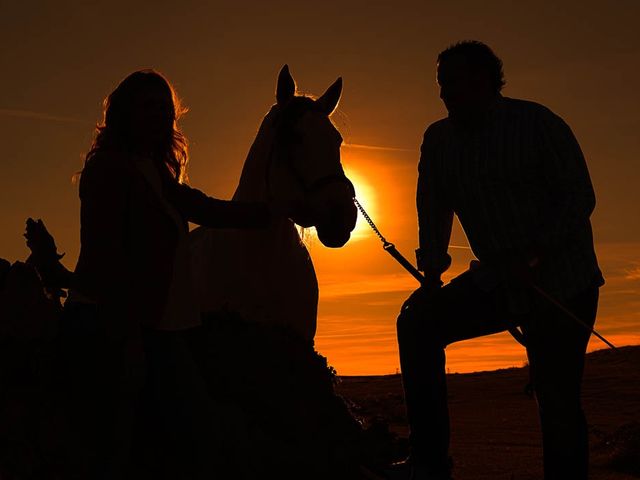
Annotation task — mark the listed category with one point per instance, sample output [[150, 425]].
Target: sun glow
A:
[[365, 194]]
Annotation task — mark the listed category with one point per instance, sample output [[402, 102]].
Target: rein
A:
[[389, 247]]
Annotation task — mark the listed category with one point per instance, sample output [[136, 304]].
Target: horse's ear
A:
[[286, 88], [329, 99]]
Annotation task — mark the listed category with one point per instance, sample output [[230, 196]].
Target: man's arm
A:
[[435, 215], [570, 186]]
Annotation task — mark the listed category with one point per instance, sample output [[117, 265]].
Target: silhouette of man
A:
[[514, 174]]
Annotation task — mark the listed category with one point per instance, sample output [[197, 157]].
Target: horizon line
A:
[[377, 147], [475, 372]]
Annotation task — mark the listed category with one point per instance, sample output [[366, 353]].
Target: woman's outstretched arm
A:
[[199, 208]]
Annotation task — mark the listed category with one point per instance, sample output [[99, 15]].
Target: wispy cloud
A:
[[378, 147], [361, 285], [7, 112], [333, 287], [633, 273]]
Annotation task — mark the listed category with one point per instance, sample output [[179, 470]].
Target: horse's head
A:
[[304, 162]]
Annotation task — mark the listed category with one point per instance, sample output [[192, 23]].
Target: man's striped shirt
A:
[[518, 183]]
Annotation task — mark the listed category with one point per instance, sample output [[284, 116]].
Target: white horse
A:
[[267, 276]]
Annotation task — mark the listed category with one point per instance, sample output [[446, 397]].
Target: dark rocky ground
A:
[[286, 390], [495, 432]]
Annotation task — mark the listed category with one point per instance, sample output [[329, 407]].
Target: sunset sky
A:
[[580, 58]]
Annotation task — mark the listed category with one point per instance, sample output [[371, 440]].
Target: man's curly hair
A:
[[479, 56]]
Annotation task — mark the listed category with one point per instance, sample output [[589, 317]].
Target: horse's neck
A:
[[253, 183], [253, 180]]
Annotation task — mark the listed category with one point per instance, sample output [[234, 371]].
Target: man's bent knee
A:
[[419, 325], [410, 320]]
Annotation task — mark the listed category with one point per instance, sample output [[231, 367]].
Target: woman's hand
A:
[[296, 210], [40, 241], [44, 255]]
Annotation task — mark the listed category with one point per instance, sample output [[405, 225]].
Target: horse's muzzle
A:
[[335, 230]]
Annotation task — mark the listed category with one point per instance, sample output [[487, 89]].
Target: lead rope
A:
[[515, 333], [389, 247]]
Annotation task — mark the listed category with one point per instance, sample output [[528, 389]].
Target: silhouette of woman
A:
[[130, 306]]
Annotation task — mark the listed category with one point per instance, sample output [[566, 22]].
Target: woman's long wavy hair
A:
[[113, 133]]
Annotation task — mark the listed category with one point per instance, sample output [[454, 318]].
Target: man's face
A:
[[465, 90]]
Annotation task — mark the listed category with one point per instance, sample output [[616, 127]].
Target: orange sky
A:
[[579, 58]]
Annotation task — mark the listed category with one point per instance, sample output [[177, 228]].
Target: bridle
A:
[[307, 188]]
